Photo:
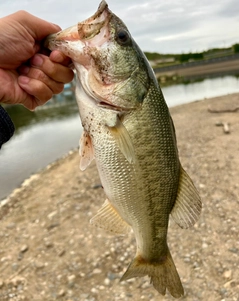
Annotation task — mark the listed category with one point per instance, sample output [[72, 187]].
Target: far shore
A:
[[218, 68]]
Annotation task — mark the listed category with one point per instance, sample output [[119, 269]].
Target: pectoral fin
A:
[[188, 204], [121, 135], [86, 151], [108, 219]]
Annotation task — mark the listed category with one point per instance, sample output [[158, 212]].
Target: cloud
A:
[[156, 25]]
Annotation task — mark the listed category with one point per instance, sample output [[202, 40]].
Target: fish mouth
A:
[[93, 31], [93, 26], [82, 43]]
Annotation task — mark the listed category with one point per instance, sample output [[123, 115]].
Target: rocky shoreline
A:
[[49, 251]]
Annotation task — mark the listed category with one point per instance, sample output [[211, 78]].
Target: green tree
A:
[[236, 48]]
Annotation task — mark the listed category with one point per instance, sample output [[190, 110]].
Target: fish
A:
[[128, 131]]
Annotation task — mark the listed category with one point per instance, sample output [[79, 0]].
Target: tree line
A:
[[185, 57]]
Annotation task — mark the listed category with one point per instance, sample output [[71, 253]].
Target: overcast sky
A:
[[165, 26]]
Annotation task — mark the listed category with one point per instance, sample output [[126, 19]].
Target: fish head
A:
[[110, 66]]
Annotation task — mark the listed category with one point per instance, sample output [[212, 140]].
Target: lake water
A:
[[45, 135]]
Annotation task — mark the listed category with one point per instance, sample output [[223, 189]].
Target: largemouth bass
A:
[[129, 132]]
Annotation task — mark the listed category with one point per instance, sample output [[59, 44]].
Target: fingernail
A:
[[37, 60], [23, 79], [57, 26]]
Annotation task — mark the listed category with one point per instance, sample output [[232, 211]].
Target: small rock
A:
[[48, 243], [1, 283], [227, 274], [51, 215], [24, 249], [20, 256], [15, 266], [234, 250], [61, 252], [84, 296], [11, 226], [96, 186], [61, 293], [187, 259], [230, 284], [59, 277], [52, 226], [101, 287], [7, 258], [112, 276], [107, 281], [39, 264], [96, 271], [94, 290], [71, 280]]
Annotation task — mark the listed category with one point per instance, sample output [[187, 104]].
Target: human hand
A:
[[27, 75]]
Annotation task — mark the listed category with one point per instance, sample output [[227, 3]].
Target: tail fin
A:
[[163, 275]]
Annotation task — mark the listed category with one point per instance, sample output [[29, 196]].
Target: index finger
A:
[[59, 57]]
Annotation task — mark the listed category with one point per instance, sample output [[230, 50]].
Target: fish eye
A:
[[122, 37]]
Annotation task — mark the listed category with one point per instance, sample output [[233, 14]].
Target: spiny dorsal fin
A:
[[121, 135], [108, 219], [188, 204], [86, 151]]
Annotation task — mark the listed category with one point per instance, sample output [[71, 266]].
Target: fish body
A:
[[128, 130]]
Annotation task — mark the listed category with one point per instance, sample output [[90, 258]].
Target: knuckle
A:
[[58, 88], [52, 70], [38, 75], [46, 96], [42, 92], [42, 76]]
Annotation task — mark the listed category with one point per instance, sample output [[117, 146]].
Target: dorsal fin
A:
[[188, 204]]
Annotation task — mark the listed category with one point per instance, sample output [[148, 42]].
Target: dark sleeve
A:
[[6, 127]]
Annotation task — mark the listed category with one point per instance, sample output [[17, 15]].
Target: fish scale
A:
[[129, 132]]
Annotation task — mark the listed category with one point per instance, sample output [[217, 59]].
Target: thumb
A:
[[38, 28]]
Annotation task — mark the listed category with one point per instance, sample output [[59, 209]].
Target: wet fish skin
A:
[[130, 133]]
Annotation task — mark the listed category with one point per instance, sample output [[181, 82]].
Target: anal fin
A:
[[188, 205], [108, 219], [86, 151]]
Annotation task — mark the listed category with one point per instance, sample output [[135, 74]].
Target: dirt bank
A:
[[49, 251]]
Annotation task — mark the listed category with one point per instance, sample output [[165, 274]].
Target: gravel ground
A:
[[49, 251]]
